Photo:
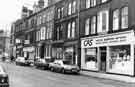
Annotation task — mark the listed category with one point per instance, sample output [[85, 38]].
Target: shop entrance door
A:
[[103, 59]]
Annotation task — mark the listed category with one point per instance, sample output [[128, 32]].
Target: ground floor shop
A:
[[67, 51], [44, 50], [29, 52], [111, 53]]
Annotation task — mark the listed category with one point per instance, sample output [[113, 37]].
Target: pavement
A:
[[21, 76], [122, 78]]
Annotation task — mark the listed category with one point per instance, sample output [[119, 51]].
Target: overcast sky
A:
[[10, 10]]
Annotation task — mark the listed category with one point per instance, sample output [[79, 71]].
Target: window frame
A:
[[123, 16], [93, 24], [70, 8], [116, 17], [87, 25], [74, 5]]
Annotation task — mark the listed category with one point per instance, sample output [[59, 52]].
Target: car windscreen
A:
[[67, 62]]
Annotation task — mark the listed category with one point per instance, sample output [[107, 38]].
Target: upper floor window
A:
[[43, 32], [74, 7], [59, 13], [124, 17], [62, 12], [93, 25], [103, 1], [87, 3], [90, 3], [69, 8], [71, 29], [116, 19], [87, 26], [103, 21], [40, 19], [59, 32], [93, 3], [44, 18]]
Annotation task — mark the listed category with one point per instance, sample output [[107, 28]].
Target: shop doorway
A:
[[103, 59]]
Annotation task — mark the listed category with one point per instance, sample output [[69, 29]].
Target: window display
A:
[[120, 60], [91, 59], [69, 54]]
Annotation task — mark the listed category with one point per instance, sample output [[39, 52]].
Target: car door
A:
[[59, 66], [55, 65]]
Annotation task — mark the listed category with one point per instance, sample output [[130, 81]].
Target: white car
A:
[[21, 61], [64, 66]]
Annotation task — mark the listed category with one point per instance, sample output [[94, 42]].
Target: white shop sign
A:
[[108, 40], [28, 49]]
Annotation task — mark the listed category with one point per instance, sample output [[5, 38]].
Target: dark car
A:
[[41, 63], [64, 66], [4, 80]]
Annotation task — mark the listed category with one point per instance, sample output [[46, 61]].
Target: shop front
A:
[[29, 52], [110, 53], [71, 52]]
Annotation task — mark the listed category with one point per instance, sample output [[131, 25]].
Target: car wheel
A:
[[52, 69], [63, 71]]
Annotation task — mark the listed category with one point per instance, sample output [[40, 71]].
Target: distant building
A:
[[4, 43]]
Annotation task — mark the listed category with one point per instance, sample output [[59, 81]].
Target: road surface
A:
[[31, 77]]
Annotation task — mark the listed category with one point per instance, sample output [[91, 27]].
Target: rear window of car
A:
[[67, 62]]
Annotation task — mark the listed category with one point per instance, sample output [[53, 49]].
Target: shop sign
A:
[[27, 42], [17, 41], [107, 40], [19, 46], [28, 49]]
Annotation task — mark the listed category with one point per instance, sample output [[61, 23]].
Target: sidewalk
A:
[[127, 79]]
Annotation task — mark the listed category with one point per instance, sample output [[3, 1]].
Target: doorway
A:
[[103, 59]]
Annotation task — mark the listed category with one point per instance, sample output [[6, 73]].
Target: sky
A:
[[10, 11]]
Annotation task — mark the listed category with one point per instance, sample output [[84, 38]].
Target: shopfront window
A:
[[91, 58], [120, 60], [69, 54]]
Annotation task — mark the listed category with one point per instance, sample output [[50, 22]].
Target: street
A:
[[30, 77]]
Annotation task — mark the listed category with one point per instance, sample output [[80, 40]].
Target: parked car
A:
[[41, 63], [4, 79], [22, 61], [63, 66], [30, 62]]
